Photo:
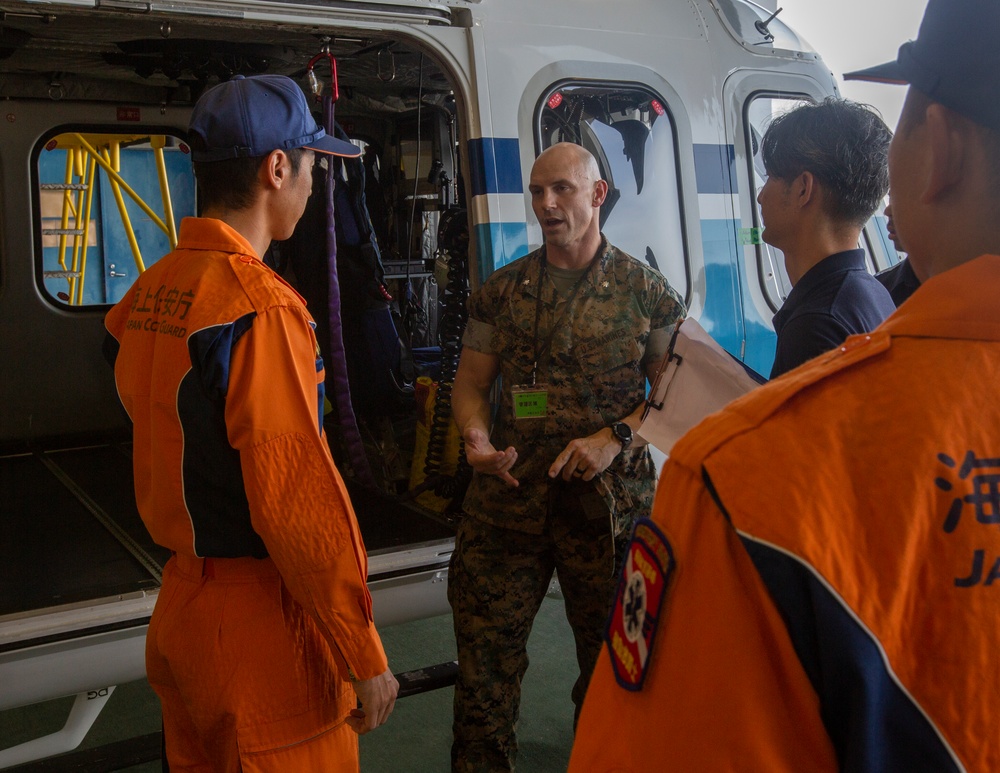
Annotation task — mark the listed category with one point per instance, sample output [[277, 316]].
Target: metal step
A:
[[64, 186]]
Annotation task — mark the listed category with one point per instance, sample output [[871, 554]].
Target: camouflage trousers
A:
[[496, 584]]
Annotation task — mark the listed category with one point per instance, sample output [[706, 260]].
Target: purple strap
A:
[[336, 372]]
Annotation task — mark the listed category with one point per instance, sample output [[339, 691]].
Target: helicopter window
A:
[[632, 136], [761, 109], [109, 205]]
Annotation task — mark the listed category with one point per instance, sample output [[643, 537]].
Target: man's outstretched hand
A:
[[485, 459]]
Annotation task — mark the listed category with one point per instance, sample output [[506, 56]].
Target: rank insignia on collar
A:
[[641, 588]]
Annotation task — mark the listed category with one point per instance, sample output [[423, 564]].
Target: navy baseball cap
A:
[[955, 59], [248, 117]]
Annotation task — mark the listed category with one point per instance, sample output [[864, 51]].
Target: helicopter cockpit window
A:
[[631, 133]]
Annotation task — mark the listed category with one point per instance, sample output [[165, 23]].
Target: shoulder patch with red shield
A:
[[641, 588]]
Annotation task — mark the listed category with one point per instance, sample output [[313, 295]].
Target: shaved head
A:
[[573, 158]]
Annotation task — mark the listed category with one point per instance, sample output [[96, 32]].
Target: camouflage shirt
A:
[[594, 372]]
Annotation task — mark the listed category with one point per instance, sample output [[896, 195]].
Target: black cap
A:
[[955, 59]]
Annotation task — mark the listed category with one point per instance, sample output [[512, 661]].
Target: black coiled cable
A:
[[453, 241]]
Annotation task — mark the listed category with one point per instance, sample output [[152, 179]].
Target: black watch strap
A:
[[623, 433]]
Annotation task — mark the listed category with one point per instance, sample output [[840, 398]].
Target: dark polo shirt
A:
[[834, 299], [899, 280]]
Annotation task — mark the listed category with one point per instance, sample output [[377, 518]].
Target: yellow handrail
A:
[[117, 178], [85, 238], [157, 142], [116, 185], [64, 223], [76, 281]]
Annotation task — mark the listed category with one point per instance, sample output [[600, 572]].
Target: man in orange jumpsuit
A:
[[819, 586], [262, 639]]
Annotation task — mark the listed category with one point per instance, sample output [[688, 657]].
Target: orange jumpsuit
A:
[[264, 613], [818, 587]]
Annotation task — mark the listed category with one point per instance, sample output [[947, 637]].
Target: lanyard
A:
[[543, 348]]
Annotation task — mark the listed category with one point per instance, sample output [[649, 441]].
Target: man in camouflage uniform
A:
[[574, 330]]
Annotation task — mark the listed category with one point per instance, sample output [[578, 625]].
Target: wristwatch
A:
[[622, 432]]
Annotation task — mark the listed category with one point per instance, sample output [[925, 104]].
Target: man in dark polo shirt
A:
[[899, 280], [827, 173]]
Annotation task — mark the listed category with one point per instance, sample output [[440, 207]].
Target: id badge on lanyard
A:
[[530, 401]]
